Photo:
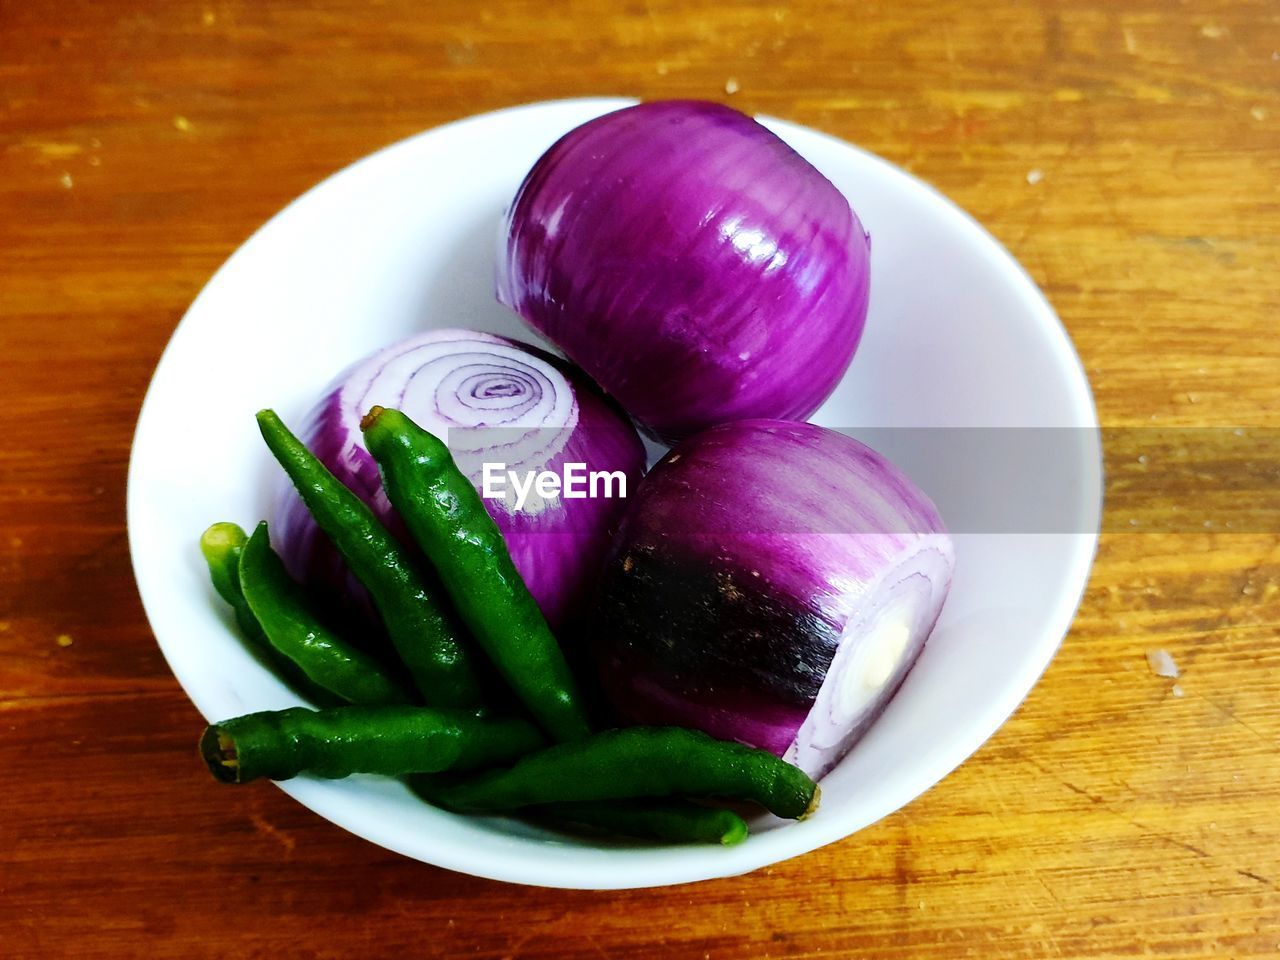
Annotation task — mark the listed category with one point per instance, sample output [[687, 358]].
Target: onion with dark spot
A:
[[772, 583]]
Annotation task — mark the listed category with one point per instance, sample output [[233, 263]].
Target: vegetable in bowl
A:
[[749, 635], [491, 399], [692, 263], [1008, 364], [644, 768], [772, 583]]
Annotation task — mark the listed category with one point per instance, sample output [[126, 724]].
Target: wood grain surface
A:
[[1128, 153]]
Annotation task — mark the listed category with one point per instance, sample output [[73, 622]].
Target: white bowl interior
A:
[[958, 336]]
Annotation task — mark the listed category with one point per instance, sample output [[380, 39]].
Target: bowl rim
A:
[[655, 866]]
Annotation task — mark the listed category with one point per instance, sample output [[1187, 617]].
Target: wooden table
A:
[[1127, 153]]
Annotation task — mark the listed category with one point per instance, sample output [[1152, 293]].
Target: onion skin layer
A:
[[750, 557], [697, 267], [490, 398]]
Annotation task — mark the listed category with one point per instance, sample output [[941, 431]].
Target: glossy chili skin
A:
[[671, 821], [222, 545], [422, 634], [639, 762], [447, 518], [338, 742], [291, 625]]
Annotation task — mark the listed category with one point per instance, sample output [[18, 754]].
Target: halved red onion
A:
[[691, 262], [492, 400], [772, 583]]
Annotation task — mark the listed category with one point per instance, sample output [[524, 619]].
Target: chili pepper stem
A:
[[219, 752], [813, 804], [370, 418], [736, 833], [222, 535]]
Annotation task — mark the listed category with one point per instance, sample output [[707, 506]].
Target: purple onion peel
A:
[[692, 263]]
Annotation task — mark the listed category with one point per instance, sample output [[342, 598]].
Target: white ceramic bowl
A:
[[958, 336]]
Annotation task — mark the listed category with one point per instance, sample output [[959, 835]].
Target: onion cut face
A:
[[493, 400], [697, 267], [772, 583]]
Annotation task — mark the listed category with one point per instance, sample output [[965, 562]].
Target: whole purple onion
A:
[[697, 267], [492, 400], [772, 583]]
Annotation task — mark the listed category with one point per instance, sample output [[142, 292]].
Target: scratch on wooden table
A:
[[1253, 876], [1106, 805], [268, 829], [1231, 715]]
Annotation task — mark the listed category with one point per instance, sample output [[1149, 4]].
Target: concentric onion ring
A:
[[492, 400]]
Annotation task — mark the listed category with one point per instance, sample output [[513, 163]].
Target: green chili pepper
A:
[[638, 762], [389, 740], [673, 821], [422, 635], [448, 520], [222, 545], [284, 613]]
